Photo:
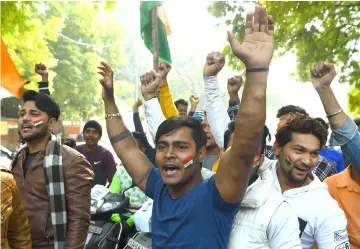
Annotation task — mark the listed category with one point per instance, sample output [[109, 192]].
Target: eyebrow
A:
[[177, 142], [303, 148]]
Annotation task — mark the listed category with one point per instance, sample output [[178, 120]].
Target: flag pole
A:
[[155, 37]]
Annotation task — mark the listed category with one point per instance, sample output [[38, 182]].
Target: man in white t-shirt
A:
[[298, 142]]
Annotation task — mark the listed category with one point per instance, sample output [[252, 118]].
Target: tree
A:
[[76, 85], [315, 31]]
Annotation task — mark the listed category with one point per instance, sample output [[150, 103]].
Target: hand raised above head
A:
[[194, 100], [149, 84], [322, 74], [107, 79], [41, 69], [163, 69], [138, 103], [234, 84], [257, 49], [215, 61]]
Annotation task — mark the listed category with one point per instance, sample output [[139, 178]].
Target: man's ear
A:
[[52, 124], [201, 154], [276, 149]]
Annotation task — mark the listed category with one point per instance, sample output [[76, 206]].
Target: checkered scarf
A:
[[55, 186]]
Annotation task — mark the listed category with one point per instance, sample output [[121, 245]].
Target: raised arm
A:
[[134, 161], [215, 110], [256, 52], [194, 101], [136, 116], [344, 129], [165, 97], [44, 83], [233, 86]]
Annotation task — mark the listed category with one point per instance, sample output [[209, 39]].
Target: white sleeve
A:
[[154, 116], [283, 230], [206, 174], [332, 233], [215, 110]]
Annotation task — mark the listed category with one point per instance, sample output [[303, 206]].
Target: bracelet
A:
[[109, 116], [256, 70], [334, 114]]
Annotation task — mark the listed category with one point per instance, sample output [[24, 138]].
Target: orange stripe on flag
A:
[[11, 80], [161, 12]]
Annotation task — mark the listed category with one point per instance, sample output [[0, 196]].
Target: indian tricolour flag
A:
[[163, 28]]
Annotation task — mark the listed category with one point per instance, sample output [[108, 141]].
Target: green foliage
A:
[[314, 30], [34, 32]]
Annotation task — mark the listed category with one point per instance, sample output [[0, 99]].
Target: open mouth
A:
[[171, 169], [302, 169], [26, 127]]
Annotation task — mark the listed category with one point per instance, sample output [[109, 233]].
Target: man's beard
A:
[[35, 136]]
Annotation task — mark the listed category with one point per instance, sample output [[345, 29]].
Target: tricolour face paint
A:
[[38, 123], [288, 161], [188, 162], [256, 163]]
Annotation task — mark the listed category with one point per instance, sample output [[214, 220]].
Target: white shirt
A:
[[321, 220]]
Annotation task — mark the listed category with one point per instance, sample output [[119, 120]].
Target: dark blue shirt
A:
[[200, 219]]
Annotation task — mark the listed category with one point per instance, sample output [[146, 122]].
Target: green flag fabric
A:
[[163, 28]]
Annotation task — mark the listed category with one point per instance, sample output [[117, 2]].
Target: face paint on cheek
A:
[[288, 161], [38, 123], [188, 162], [256, 163]]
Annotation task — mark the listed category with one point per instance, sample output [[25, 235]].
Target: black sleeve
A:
[[44, 87]]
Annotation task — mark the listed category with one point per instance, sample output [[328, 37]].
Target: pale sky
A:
[[192, 24]]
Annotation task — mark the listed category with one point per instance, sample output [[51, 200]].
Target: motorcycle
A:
[[142, 239], [103, 233]]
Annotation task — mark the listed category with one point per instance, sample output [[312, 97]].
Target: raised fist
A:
[[322, 75], [138, 103], [234, 84], [257, 49], [41, 69], [194, 100], [163, 69], [215, 61], [149, 84]]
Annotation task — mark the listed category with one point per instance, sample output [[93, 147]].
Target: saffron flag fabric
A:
[[163, 28], [11, 80]]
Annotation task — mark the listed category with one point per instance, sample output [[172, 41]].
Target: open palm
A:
[[257, 48]]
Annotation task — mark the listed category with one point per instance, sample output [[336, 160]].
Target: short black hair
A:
[[177, 122], [94, 125], [181, 102], [357, 121], [231, 130], [69, 142], [291, 109], [141, 137], [43, 102], [301, 124]]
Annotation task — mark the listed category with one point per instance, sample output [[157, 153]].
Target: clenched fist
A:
[[257, 49], [164, 69], [149, 84], [215, 61], [322, 75], [194, 100], [42, 71], [234, 84]]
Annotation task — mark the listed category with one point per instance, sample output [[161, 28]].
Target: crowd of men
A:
[[213, 180]]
